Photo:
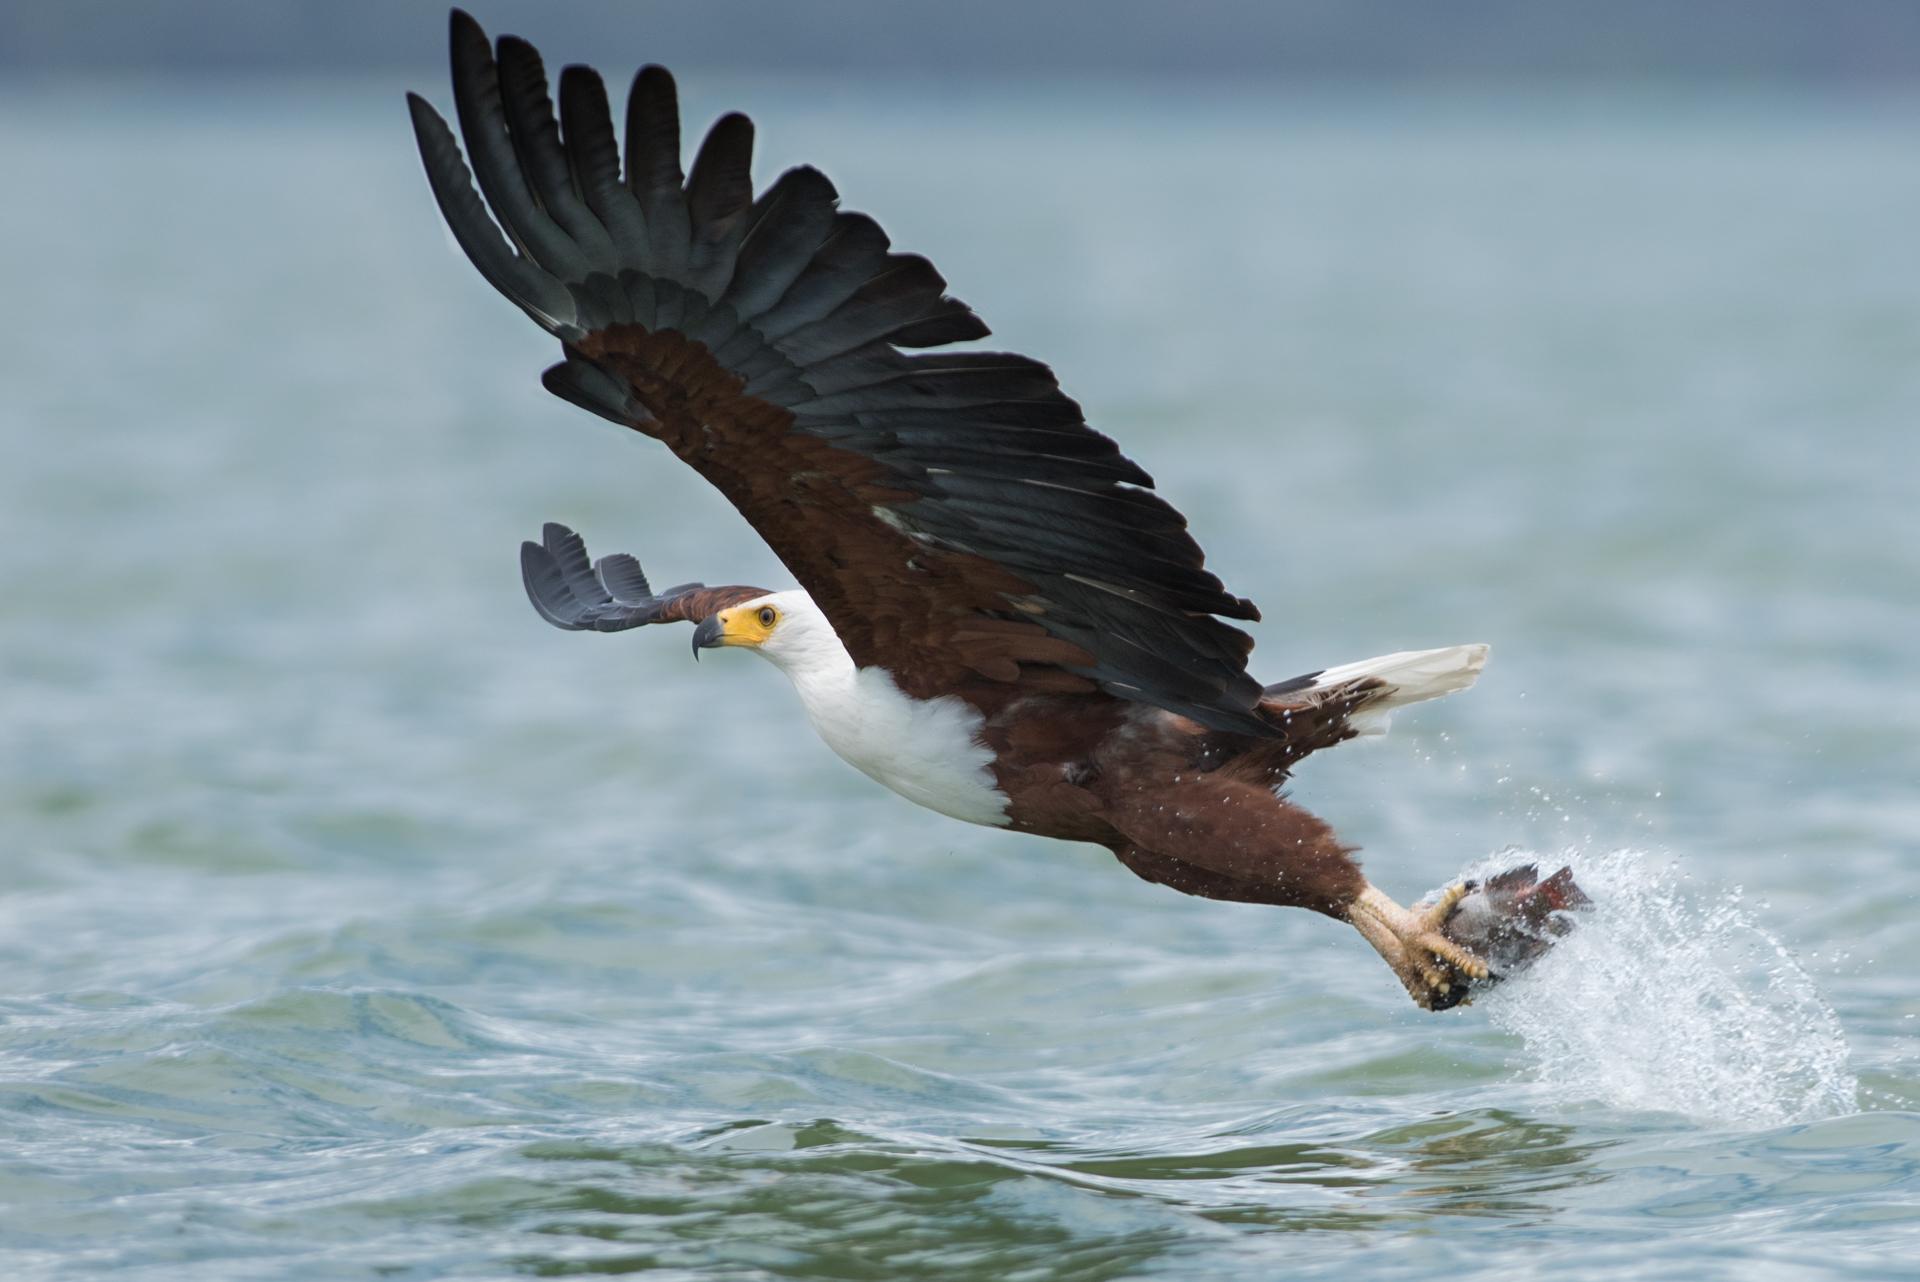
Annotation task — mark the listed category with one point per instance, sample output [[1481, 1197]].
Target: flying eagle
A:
[[997, 617]]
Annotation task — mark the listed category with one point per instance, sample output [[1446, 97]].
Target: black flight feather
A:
[[539, 294], [795, 221], [536, 140], [719, 203], [852, 254], [593, 159], [653, 169], [483, 124], [620, 575]]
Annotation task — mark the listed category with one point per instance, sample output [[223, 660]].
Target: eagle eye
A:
[[767, 616]]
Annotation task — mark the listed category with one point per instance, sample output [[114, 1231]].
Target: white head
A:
[[785, 628]]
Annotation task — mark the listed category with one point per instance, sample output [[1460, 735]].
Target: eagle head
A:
[[784, 627]]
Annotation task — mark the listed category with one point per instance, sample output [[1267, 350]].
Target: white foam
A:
[[1667, 1000]]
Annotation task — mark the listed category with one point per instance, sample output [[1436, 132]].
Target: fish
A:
[[1511, 920]]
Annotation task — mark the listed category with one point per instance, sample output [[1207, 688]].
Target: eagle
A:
[[996, 615]]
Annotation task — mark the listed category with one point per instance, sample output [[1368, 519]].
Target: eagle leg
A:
[[1434, 969]]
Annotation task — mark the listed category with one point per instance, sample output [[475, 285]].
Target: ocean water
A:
[[355, 923]]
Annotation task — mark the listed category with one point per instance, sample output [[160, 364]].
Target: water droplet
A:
[[1664, 999]]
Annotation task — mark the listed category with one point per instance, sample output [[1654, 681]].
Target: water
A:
[[1662, 1002], [355, 922]]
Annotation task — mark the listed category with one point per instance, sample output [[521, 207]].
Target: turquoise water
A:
[[356, 923]]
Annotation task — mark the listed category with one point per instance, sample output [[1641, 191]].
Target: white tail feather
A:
[[1411, 676]]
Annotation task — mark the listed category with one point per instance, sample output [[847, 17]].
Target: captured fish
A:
[[1510, 919]]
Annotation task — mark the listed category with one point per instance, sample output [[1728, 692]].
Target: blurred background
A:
[[1631, 40], [352, 920]]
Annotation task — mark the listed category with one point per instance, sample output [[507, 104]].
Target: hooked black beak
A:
[[708, 635]]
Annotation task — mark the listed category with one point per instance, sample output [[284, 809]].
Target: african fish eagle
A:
[[997, 617]]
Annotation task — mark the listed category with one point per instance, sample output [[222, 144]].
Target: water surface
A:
[[355, 922]]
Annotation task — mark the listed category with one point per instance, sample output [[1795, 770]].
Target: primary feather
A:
[[767, 342]]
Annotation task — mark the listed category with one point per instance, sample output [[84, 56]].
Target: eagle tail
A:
[[1375, 687]]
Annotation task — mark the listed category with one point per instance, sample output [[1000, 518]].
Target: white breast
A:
[[927, 750]]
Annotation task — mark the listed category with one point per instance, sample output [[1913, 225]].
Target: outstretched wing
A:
[[952, 513], [611, 594]]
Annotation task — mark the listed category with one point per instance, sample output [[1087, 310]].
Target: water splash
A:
[[1671, 1001]]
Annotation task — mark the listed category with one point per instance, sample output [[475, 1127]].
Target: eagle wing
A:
[[951, 512], [611, 594]]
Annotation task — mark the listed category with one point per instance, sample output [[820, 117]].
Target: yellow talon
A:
[[1435, 915], [1411, 941]]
